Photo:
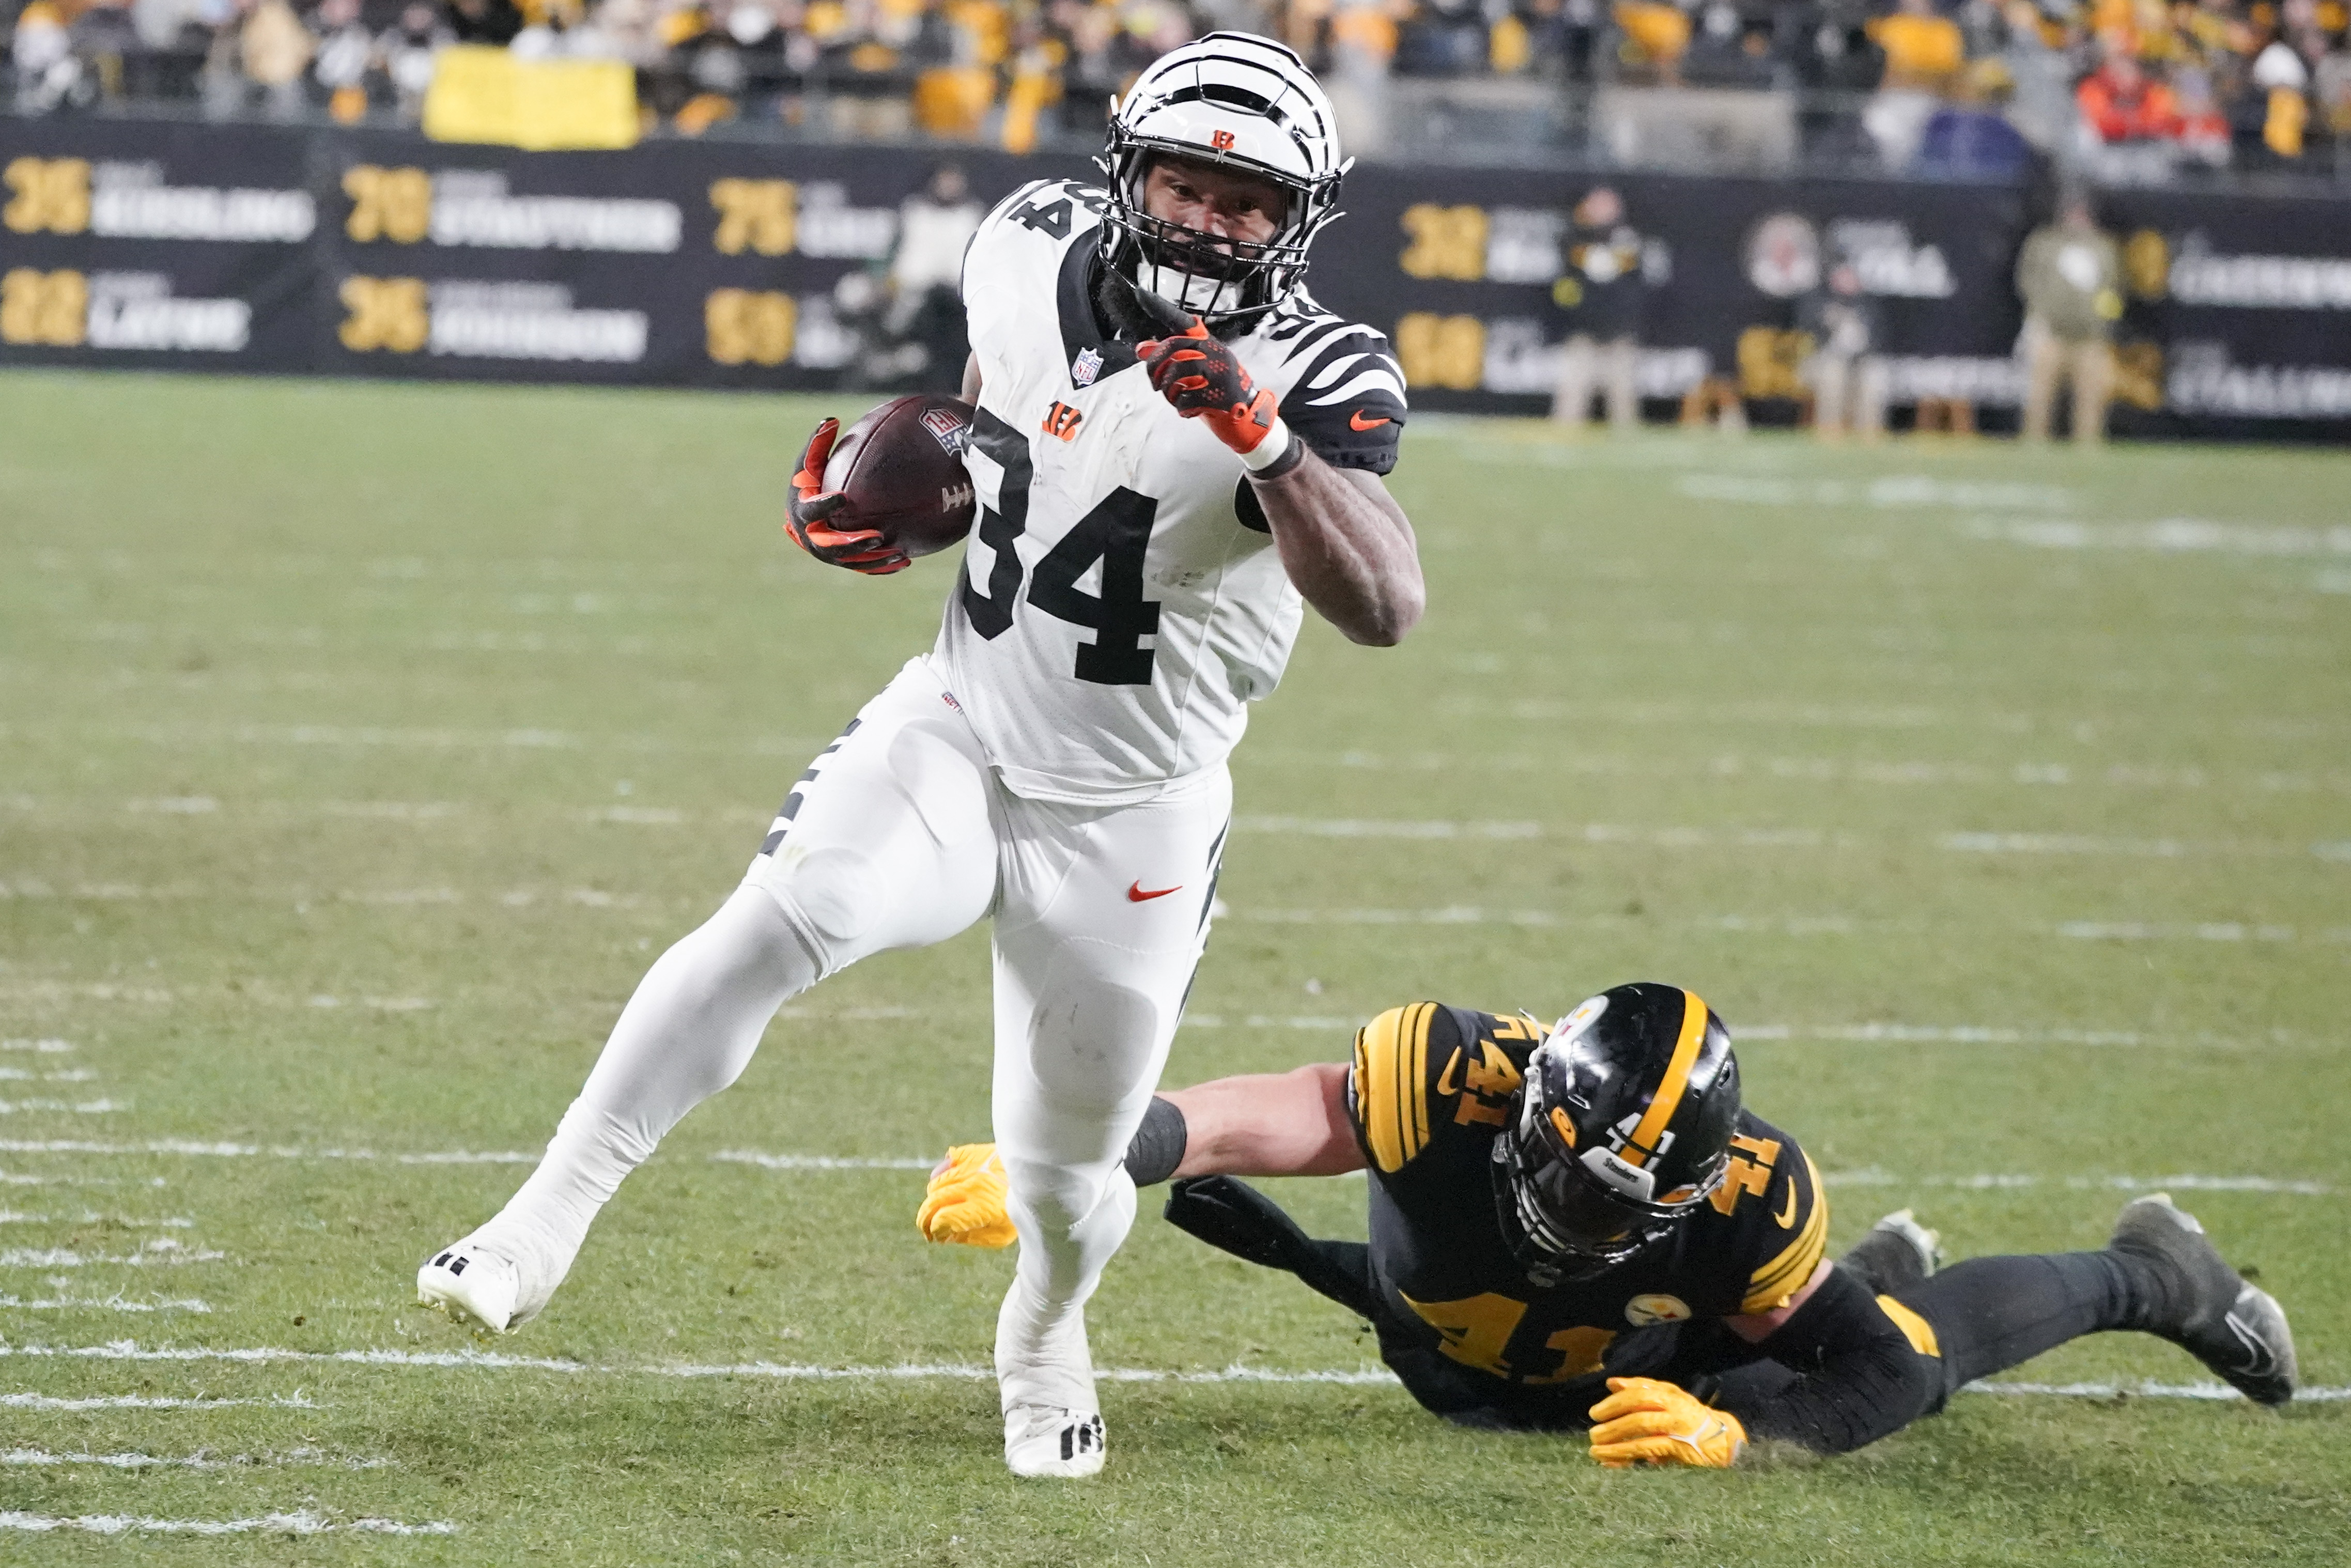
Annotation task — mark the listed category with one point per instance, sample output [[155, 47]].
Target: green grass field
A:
[[360, 744]]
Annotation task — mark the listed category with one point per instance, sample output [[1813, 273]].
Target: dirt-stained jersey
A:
[[1120, 601], [1430, 1090]]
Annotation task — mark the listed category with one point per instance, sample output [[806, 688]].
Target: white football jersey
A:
[[1120, 601]]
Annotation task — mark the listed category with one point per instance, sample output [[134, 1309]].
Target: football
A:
[[902, 468]]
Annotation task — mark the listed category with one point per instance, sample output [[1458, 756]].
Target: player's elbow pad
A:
[[1861, 1379]]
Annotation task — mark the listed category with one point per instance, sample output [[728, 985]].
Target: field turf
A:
[[360, 744]]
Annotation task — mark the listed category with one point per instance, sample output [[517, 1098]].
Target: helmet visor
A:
[[1579, 1210]]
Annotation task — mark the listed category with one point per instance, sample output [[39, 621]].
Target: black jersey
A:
[[1431, 1088]]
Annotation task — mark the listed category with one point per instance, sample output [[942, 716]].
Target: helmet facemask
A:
[[1232, 101], [1581, 1213], [1217, 278]]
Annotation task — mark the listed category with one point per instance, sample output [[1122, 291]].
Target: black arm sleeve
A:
[[1858, 1378], [1157, 1147]]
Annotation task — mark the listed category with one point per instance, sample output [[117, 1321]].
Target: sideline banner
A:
[[745, 265]]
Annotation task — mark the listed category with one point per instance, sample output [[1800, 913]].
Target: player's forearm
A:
[[1860, 1379], [1349, 548], [1276, 1124]]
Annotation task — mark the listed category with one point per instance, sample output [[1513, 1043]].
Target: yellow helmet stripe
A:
[[1669, 1098]]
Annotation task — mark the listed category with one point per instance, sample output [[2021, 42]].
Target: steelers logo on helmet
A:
[[1241, 102], [1624, 1128]]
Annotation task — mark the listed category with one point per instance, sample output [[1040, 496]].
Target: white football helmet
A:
[[1243, 102]]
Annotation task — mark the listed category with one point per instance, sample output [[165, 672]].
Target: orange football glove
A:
[[812, 506], [1202, 378], [964, 1202], [1205, 379], [1645, 1421]]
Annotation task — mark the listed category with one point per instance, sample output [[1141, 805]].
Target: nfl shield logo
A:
[[1086, 367], [947, 430]]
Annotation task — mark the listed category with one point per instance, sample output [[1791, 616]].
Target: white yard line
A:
[[2167, 535], [2320, 1396], [1992, 1183], [109, 1304], [196, 1461], [68, 1107], [54, 991], [1902, 773], [303, 1522], [21, 1178], [787, 1160], [256, 1151], [1364, 828], [45, 1047], [955, 1370], [821, 1162], [155, 1254], [138, 1402]]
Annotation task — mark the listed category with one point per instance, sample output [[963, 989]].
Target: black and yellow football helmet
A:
[[1621, 1130]]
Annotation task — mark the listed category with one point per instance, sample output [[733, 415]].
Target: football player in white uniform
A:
[[1163, 412]]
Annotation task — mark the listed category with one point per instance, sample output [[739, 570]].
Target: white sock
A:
[[1042, 1355], [687, 1032]]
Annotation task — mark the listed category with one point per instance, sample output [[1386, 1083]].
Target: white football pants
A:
[[899, 835]]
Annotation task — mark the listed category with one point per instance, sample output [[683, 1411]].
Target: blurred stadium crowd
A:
[[2122, 90]]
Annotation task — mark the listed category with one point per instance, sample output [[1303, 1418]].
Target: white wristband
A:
[[1269, 451]]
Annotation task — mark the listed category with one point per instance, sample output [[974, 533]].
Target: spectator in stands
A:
[[934, 224], [1656, 36], [408, 48], [276, 50], [103, 35], [1971, 137], [1600, 293], [1364, 44], [2035, 54], [1924, 54], [2280, 73], [1847, 375], [344, 58], [2330, 90], [2069, 276], [2121, 102], [485, 21], [47, 74], [2203, 129]]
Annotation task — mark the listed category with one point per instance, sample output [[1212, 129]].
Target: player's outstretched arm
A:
[[1272, 1123], [1347, 545], [1267, 1123]]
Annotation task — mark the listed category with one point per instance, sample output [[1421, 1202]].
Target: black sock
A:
[[1991, 1313], [1344, 1274]]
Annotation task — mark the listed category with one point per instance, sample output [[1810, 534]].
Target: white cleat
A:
[[1049, 1440], [470, 1286]]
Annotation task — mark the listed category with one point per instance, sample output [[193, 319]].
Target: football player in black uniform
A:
[[1584, 1228]]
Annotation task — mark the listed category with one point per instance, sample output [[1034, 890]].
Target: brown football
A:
[[902, 468]]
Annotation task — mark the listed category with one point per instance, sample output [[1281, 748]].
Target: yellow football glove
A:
[[964, 1202], [1646, 1421]]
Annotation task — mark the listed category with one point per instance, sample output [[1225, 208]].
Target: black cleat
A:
[[2236, 1329], [1896, 1254]]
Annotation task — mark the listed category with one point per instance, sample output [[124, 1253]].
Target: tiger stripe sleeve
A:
[[1387, 1090], [1806, 1206]]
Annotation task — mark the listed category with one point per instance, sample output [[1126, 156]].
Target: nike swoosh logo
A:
[[2260, 1359], [1137, 894], [1787, 1216], [1356, 421], [1446, 1084]]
